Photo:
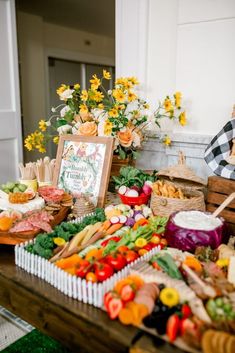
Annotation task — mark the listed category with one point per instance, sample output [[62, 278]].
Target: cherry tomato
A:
[[148, 247], [91, 277], [155, 239], [103, 271], [186, 311], [142, 252], [131, 256], [83, 268], [117, 261], [123, 249]]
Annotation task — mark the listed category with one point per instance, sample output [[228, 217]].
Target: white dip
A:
[[196, 220]]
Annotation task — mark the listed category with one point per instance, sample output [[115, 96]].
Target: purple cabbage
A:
[[189, 239]]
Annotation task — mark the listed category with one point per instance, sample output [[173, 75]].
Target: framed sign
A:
[[83, 165]]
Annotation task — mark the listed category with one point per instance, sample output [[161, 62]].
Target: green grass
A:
[[36, 342]]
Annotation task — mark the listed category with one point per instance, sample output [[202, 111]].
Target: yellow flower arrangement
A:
[[94, 111]]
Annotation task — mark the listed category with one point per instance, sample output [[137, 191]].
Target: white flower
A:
[[97, 113], [109, 92], [64, 111], [48, 123], [62, 130], [66, 94], [101, 128], [53, 110], [75, 128], [136, 139]]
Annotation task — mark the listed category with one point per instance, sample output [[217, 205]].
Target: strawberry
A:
[[187, 325], [173, 327], [107, 297], [127, 293], [114, 307], [186, 311]]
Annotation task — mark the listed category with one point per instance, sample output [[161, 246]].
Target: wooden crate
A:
[[218, 190]]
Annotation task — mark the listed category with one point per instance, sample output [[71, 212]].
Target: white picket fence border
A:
[[71, 285]]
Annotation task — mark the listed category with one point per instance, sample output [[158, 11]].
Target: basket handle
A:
[[226, 202]]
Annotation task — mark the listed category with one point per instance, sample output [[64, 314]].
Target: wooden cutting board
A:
[[19, 237]]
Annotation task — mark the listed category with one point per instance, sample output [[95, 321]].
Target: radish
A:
[[130, 222], [109, 208], [115, 220], [132, 193], [149, 183], [122, 219], [122, 190], [138, 217], [136, 188], [147, 189]]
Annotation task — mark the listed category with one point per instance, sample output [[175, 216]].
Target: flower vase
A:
[[118, 163]]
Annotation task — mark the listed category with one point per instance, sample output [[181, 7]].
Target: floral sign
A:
[[83, 166]]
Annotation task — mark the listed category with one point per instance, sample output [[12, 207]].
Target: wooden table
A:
[[78, 326]]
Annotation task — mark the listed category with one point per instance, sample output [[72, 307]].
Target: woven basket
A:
[[182, 175], [165, 206]]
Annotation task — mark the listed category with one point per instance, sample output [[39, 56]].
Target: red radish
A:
[[122, 190], [132, 193], [127, 293], [136, 188], [147, 189], [114, 307], [142, 194], [114, 220], [122, 219]]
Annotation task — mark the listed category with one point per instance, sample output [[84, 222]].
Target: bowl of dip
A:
[[187, 230]]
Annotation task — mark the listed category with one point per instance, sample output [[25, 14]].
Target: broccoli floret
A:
[[45, 241], [63, 234], [30, 248], [46, 253], [70, 227]]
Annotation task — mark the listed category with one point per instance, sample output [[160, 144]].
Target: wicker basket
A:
[[165, 206], [182, 175]]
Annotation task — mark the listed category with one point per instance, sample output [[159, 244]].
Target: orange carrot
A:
[[113, 228], [105, 226]]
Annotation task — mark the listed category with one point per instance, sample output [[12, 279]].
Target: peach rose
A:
[[88, 128], [125, 138]]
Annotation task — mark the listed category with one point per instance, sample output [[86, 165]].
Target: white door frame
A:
[[11, 117]]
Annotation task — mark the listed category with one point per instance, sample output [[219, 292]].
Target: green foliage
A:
[[130, 176]]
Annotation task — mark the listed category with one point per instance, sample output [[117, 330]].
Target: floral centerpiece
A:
[[95, 111]]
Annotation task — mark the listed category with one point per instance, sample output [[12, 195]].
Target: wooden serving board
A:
[[19, 237], [218, 190]]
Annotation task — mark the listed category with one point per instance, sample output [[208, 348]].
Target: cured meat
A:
[[51, 193], [23, 226], [33, 220]]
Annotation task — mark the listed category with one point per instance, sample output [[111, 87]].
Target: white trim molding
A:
[[131, 55]]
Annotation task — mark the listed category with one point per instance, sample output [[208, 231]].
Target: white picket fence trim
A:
[[71, 285]]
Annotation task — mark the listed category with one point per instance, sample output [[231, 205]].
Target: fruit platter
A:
[[24, 212], [172, 277]]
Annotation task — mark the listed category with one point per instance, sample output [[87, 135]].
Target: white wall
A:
[[189, 47], [37, 40]]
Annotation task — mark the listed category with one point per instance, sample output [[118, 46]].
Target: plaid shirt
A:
[[219, 149]]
